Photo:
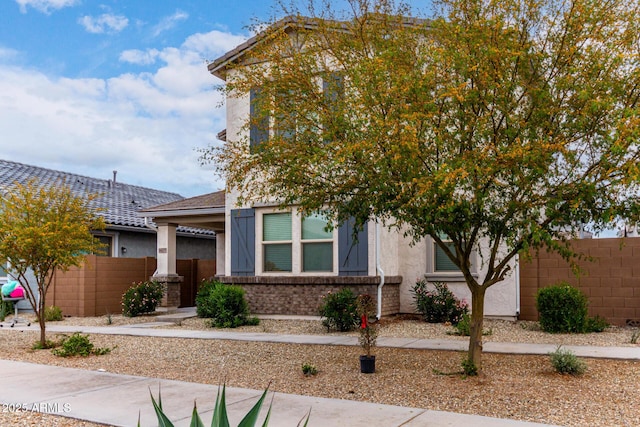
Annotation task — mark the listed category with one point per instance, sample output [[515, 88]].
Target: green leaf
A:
[[196, 421], [163, 420], [220, 418], [251, 418], [305, 419]]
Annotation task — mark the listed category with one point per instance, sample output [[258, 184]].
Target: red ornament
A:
[[363, 322]]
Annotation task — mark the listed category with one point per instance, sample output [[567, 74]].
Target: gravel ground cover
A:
[[516, 387]]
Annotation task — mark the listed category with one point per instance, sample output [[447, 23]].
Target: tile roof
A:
[[205, 201], [119, 201]]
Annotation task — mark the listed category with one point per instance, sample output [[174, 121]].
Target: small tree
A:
[[504, 125], [43, 229]]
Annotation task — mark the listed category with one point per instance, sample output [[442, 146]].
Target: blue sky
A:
[[95, 86]]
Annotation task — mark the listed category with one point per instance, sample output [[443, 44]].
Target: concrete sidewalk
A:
[[114, 399], [154, 329]]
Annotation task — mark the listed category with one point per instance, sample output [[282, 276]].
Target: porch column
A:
[[166, 249], [220, 251], [166, 268]]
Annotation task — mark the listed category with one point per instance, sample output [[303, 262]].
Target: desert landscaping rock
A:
[[515, 387]]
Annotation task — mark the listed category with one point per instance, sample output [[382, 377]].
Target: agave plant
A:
[[220, 418]]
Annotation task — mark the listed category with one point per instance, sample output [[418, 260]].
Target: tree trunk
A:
[[40, 316], [43, 336], [477, 318]]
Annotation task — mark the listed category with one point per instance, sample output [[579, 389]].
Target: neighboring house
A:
[[127, 235], [287, 263]]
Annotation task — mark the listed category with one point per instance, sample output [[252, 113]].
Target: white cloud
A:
[[169, 22], [127, 123], [8, 54], [105, 23], [145, 125], [139, 57], [45, 6], [213, 43]]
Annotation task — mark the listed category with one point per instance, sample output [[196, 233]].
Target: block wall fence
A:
[[96, 288], [611, 279]]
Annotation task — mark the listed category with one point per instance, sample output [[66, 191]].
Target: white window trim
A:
[[296, 246], [444, 276]]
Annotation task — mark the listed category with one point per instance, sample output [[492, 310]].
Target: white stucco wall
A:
[[411, 261]]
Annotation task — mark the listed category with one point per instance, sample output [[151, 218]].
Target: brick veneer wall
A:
[[302, 295], [611, 280]]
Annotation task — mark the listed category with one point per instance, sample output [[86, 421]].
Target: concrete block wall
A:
[[610, 278], [96, 288]]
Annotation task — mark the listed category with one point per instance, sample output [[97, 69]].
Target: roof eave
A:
[[181, 212], [218, 67]]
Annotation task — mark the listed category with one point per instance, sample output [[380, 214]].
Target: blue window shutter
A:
[[259, 126], [333, 91], [352, 253], [243, 238]]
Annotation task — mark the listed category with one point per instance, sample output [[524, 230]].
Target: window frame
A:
[[297, 261], [273, 243], [304, 242], [4, 273], [434, 275]]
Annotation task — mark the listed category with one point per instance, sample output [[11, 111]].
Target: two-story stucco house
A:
[[287, 263]]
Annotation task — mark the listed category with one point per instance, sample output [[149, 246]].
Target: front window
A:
[[442, 262], [295, 244], [3, 273], [440, 267], [317, 244], [277, 244]]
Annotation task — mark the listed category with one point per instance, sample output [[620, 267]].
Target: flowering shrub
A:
[[366, 309], [438, 305], [339, 310], [143, 297]]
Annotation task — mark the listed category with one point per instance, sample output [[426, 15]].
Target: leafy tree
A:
[[505, 125], [43, 229]]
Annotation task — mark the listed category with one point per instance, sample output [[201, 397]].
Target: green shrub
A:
[[469, 368], [47, 344], [78, 345], [141, 298], [565, 362], [438, 305], [463, 327], [309, 370], [204, 307], [6, 308], [339, 311], [53, 313], [225, 305], [564, 308], [597, 324]]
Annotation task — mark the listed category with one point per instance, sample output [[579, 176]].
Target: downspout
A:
[[517, 273], [149, 225], [379, 270]]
